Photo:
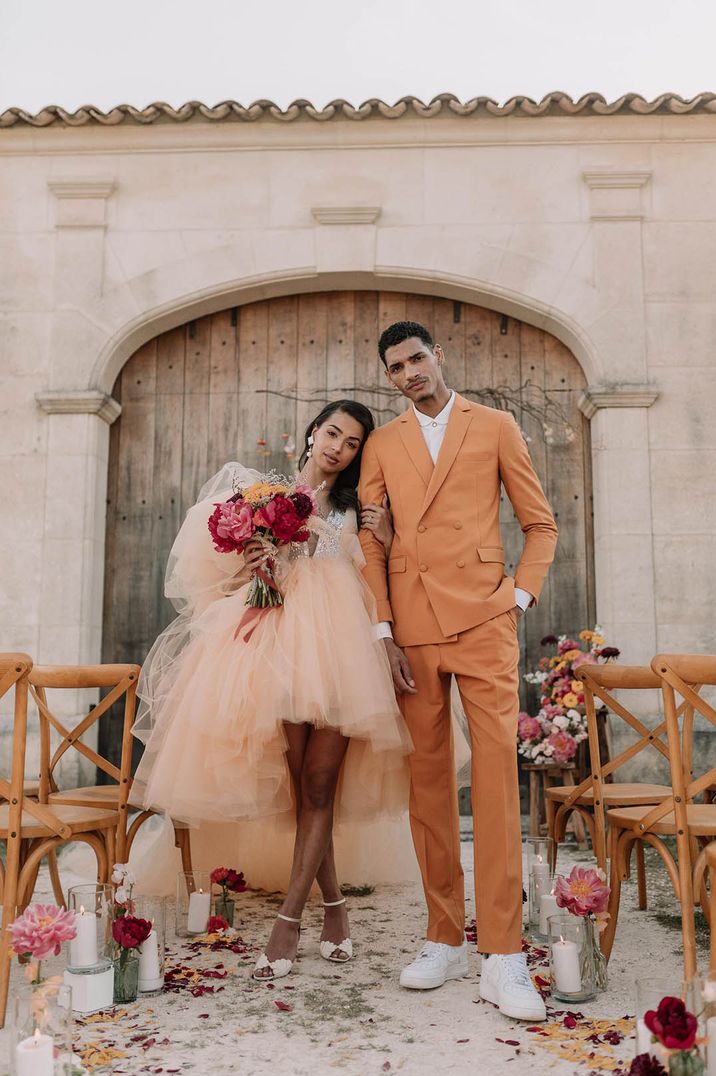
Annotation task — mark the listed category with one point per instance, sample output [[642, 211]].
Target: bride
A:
[[300, 715]]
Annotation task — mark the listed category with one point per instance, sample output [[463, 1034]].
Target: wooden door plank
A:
[[340, 326], [281, 383], [310, 364], [253, 377], [223, 389], [450, 334], [195, 432], [367, 365]]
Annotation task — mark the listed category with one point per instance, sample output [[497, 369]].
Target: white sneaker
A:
[[505, 981], [434, 965]]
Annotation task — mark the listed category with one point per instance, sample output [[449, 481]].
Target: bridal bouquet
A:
[[272, 510], [561, 724]]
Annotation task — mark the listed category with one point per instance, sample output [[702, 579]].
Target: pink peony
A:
[[528, 728], [585, 892], [565, 746], [568, 644], [41, 930], [231, 526]]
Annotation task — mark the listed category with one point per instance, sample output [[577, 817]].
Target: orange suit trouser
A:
[[484, 661]]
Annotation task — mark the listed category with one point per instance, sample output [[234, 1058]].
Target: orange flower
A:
[[570, 655], [261, 490], [577, 686], [586, 636], [569, 700]]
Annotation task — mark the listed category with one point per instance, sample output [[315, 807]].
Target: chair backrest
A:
[[15, 670], [683, 675], [120, 681]]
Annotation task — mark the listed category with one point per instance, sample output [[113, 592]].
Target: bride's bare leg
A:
[[335, 927], [321, 767]]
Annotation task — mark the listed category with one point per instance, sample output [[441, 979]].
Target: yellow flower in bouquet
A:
[[577, 686], [570, 655], [261, 491], [569, 700]]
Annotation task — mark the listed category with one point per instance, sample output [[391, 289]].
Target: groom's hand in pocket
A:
[[400, 668]]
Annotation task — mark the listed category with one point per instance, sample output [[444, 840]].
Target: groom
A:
[[447, 608]]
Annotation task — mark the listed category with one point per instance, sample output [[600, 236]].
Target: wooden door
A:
[[244, 383]]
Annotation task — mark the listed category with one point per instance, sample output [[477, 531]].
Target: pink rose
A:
[[231, 526], [565, 746], [528, 728]]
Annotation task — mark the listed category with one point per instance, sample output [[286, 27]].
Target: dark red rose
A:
[[609, 652], [549, 640], [216, 922], [672, 1024], [280, 517], [303, 505], [235, 881], [646, 1065], [129, 932]]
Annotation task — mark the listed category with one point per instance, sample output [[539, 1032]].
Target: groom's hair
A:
[[402, 330]]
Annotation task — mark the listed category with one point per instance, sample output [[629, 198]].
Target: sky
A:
[[77, 52]]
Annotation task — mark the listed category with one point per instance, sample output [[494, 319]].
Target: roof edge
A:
[[445, 105]]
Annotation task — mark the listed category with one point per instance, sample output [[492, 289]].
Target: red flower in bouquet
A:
[[129, 932], [674, 1026], [231, 525], [584, 893], [231, 881], [41, 930], [280, 517]]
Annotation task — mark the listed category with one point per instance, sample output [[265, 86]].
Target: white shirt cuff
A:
[[383, 630], [523, 598]]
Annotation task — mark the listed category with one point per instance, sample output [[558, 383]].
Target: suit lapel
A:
[[460, 419], [415, 446]]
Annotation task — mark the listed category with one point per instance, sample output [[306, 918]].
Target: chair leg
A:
[[615, 888], [182, 840], [712, 904], [12, 873], [641, 875], [534, 803], [550, 812], [55, 878]]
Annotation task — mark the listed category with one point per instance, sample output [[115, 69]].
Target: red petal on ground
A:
[[462, 1040], [282, 1006], [386, 1066], [569, 1022]]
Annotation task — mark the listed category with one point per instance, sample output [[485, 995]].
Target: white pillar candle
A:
[[644, 1045], [547, 906], [83, 947], [34, 1056], [199, 909], [150, 972], [711, 1046], [565, 960], [541, 876]]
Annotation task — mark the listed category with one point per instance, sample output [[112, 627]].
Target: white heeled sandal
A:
[[329, 949], [278, 968]]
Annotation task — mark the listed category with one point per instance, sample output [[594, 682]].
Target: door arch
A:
[[216, 388]]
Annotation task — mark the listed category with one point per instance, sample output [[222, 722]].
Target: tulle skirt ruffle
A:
[[215, 706]]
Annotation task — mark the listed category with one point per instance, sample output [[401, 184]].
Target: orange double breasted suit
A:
[[445, 592]]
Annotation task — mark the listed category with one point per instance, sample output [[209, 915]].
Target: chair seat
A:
[[90, 796], [81, 819], [701, 819], [617, 794]]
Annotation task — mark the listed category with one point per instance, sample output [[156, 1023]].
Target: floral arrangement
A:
[[231, 881], [216, 923], [39, 932], [272, 510], [561, 724], [585, 892], [674, 1028]]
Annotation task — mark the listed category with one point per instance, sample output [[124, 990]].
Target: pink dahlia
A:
[[585, 892], [528, 728], [41, 930], [565, 746]]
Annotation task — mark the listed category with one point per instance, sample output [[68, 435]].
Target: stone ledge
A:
[[81, 203], [79, 402], [595, 397], [345, 214]]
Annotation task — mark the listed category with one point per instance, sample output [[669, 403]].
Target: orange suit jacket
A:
[[446, 568]]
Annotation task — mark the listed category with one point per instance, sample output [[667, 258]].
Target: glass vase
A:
[[649, 992], [41, 1030], [225, 907], [126, 977], [578, 969], [91, 949], [152, 951], [538, 857]]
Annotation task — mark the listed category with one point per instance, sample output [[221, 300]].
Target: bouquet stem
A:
[[263, 592]]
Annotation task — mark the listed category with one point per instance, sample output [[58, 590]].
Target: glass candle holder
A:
[[577, 966], [193, 902], [538, 878], [694, 994], [152, 951], [91, 950], [41, 1031], [705, 1009]]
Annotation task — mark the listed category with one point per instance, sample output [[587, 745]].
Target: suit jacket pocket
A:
[[398, 564], [491, 554]]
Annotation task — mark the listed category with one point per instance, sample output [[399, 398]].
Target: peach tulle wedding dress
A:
[[212, 706]]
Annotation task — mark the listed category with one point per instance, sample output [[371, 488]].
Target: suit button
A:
[[461, 564], [423, 567], [457, 525], [422, 528]]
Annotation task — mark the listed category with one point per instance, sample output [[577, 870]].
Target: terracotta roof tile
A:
[[445, 104]]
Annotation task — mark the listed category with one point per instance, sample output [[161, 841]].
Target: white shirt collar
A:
[[439, 420]]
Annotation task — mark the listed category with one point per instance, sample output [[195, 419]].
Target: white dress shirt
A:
[[433, 430]]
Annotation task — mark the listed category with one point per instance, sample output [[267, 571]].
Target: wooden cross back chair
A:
[[32, 830], [121, 683], [692, 824], [595, 794]]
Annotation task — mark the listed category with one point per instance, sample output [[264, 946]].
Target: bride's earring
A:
[[310, 447]]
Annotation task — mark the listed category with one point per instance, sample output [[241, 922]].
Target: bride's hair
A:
[[344, 493]]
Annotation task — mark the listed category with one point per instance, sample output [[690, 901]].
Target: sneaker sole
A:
[[515, 1012], [433, 984]]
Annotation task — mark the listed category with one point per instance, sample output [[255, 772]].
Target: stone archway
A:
[[214, 388]]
